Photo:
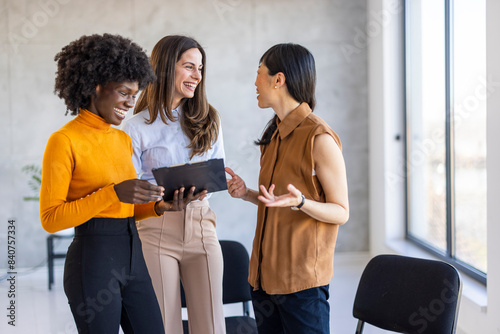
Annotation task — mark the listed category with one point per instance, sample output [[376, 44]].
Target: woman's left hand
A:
[[293, 198]]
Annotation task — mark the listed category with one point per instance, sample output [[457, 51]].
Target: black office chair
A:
[[235, 288], [408, 295], [52, 254]]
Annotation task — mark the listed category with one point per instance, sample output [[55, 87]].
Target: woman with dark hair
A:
[[174, 124], [301, 162], [89, 183]]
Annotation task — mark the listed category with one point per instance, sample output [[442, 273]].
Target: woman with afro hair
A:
[[89, 183]]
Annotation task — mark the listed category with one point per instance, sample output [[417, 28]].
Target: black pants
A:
[[107, 282], [302, 312]]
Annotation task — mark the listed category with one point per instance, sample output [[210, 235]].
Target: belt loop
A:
[[133, 243], [130, 221]]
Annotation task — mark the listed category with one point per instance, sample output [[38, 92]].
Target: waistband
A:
[[198, 204], [107, 226], [191, 206]]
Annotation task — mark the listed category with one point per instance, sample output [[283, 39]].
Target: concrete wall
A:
[[234, 34]]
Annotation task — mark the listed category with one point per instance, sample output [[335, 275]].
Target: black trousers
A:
[[107, 282], [302, 312]]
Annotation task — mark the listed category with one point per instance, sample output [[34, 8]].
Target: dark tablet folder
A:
[[209, 175]]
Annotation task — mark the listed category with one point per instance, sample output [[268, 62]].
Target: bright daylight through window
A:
[[446, 129]]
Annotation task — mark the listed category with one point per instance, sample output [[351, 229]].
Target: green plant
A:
[[35, 173]]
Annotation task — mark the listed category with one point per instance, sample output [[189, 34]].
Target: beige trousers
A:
[[183, 245]]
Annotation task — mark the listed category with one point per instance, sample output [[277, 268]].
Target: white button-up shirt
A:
[[162, 145]]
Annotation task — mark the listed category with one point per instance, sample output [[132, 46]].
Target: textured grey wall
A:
[[234, 34]]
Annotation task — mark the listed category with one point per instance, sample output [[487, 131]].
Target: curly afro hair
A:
[[96, 60]]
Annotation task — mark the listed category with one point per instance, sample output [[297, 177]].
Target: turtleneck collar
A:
[[90, 119]]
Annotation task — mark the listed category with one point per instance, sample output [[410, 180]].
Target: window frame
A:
[[449, 255]]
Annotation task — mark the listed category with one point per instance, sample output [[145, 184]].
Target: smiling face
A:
[[187, 75], [264, 84], [114, 100]]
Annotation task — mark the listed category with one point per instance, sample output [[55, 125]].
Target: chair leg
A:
[[359, 328], [50, 260], [246, 308]]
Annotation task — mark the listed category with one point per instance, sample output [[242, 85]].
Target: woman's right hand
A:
[[236, 187], [137, 191]]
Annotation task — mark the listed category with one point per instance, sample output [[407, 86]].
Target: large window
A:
[[446, 129]]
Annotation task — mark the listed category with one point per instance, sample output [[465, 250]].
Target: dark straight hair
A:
[[298, 66], [199, 120]]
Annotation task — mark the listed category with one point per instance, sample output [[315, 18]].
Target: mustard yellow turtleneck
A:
[[82, 162]]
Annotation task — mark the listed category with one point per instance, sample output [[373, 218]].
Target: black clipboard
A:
[[205, 175]]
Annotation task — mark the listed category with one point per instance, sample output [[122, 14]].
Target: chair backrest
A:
[[409, 295], [235, 280]]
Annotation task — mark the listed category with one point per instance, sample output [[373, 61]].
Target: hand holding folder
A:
[[205, 175]]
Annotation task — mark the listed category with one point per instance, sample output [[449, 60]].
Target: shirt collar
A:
[[92, 120], [175, 112], [293, 119]]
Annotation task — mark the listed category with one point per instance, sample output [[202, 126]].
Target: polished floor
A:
[[40, 311]]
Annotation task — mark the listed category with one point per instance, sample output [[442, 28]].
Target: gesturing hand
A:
[[236, 187], [137, 191], [293, 198]]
